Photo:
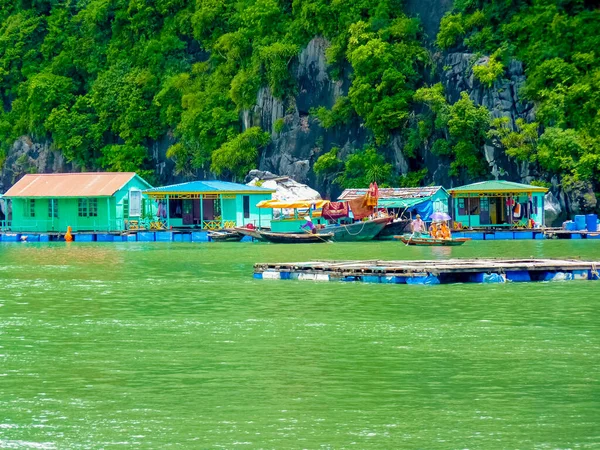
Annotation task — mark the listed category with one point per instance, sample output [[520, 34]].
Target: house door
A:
[[196, 211], [494, 210], [188, 215], [484, 211]]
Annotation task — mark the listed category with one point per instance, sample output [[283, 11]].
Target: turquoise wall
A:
[[258, 216], [475, 219]]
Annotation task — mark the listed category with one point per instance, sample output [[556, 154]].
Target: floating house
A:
[[100, 201], [408, 201], [498, 204], [210, 205]]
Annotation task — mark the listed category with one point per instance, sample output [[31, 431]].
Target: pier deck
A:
[[433, 271]]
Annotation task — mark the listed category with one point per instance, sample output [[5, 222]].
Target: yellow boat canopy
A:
[[293, 204]]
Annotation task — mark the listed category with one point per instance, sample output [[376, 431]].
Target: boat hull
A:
[[295, 238], [359, 231], [225, 236], [394, 228], [248, 232], [432, 242]]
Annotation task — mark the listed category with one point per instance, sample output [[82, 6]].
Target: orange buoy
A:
[[68, 235]]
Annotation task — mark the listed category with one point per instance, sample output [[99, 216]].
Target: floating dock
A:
[[432, 272]]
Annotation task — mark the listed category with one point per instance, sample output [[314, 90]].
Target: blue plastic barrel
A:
[[591, 222], [580, 222], [570, 225]]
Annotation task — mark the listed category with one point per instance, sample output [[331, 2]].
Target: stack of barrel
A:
[[588, 222]]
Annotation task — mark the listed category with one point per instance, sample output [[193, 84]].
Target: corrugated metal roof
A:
[[208, 187], [86, 184], [498, 186], [420, 192], [401, 202]]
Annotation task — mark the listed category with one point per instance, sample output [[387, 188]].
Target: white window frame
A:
[[135, 204]]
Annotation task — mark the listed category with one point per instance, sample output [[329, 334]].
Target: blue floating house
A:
[[498, 203], [407, 201], [210, 205]]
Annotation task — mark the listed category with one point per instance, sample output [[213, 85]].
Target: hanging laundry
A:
[[517, 211], [335, 210], [359, 209]]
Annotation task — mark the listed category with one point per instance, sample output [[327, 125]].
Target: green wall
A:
[[109, 214]]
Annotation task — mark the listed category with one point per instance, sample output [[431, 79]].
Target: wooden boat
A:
[[427, 241], [252, 232], [295, 238], [395, 228], [225, 236], [358, 231]]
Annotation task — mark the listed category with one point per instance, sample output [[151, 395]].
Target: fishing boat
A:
[[252, 232], [358, 231], [225, 236], [429, 241], [295, 238], [395, 228]]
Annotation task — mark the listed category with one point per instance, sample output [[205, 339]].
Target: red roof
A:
[[86, 184]]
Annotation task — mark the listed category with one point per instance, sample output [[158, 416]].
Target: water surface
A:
[[157, 345]]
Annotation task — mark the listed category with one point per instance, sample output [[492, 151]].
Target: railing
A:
[[218, 224], [4, 225]]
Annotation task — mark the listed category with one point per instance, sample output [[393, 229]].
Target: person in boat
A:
[[445, 231], [309, 226], [417, 226], [433, 230]]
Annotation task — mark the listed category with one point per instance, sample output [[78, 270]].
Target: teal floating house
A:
[[209, 205], [491, 204], [94, 201]]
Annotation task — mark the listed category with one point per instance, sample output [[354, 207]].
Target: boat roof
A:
[[292, 204]]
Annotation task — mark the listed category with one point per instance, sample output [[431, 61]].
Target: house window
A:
[[246, 200], [87, 207], [82, 206], [30, 207], [93, 207], [135, 203], [462, 210], [474, 206], [53, 207]]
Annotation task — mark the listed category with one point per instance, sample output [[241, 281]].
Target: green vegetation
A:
[[360, 169], [489, 72], [104, 79], [558, 41], [462, 128]]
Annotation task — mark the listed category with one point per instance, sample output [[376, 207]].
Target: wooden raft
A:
[[437, 271]]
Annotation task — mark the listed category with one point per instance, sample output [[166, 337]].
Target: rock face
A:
[[27, 156], [295, 148], [501, 99], [286, 188]]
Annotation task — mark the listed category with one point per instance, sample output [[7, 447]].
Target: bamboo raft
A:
[[488, 270]]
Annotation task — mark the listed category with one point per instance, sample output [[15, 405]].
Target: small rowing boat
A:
[[427, 241], [225, 236], [295, 238]]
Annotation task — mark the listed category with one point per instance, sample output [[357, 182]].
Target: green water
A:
[[176, 346]]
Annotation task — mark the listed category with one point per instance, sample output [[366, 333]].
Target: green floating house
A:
[[491, 204], [93, 201], [210, 205]]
